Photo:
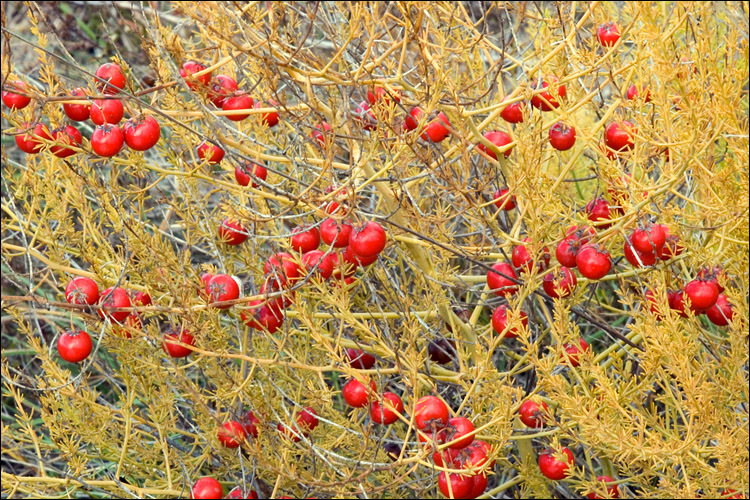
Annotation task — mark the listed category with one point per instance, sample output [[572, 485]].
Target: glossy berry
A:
[[335, 233], [232, 233], [633, 93], [566, 251], [608, 34], [593, 262], [189, 69], [283, 265], [654, 305], [359, 359], [460, 486], [355, 393], [141, 299], [523, 259], [636, 257], [619, 136], [238, 103], [545, 101], [532, 414], [386, 410], [270, 118], [498, 139], [82, 290], [583, 234], [649, 239], [554, 468], [499, 284], [114, 79], [304, 239], [325, 264], [78, 112], [74, 346], [321, 132], [222, 86], [243, 171], [31, 142], [237, 493], [357, 260], [263, 317], [459, 428], [382, 95], [107, 111], [703, 293], [307, 419], [677, 302], [429, 412], [442, 350], [251, 424], [114, 297], [222, 287], [480, 485], [500, 321], [672, 247], [175, 350], [411, 122], [231, 434], [16, 101], [562, 137], [513, 113], [560, 284], [598, 212], [141, 134], [210, 152], [65, 136], [573, 352], [720, 314], [504, 200], [612, 491], [436, 129], [207, 487], [107, 140], [367, 240], [365, 117]]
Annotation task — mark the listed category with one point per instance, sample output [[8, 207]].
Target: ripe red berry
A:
[[581, 233], [222, 287], [360, 359], [365, 117], [210, 152], [703, 293], [430, 412], [114, 297], [243, 171], [500, 321], [513, 113], [251, 424], [653, 304], [386, 410], [367, 240], [382, 95], [31, 142], [545, 101], [555, 468], [619, 136], [608, 34], [677, 302], [16, 101], [231, 434], [573, 352], [672, 247], [502, 285], [307, 419], [222, 86], [597, 211], [436, 130], [632, 93], [504, 200], [321, 132], [283, 265], [355, 260], [107, 111], [114, 79], [170, 346], [562, 137], [411, 122], [532, 414], [355, 393], [459, 428], [460, 486], [263, 317], [270, 118], [74, 346], [480, 485], [189, 69], [232, 233], [207, 487], [636, 257], [612, 491], [720, 314], [237, 103], [560, 284], [593, 262], [82, 290], [325, 264], [107, 140], [649, 239], [142, 133], [524, 261], [566, 251], [65, 136], [78, 112], [141, 299], [305, 239], [335, 233], [499, 139]]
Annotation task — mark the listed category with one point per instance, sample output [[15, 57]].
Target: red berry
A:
[[355, 260], [411, 122], [502, 285], [284, 266], [560, 284], [68, 135], [562, 137], [367, 240], [619, 136], [207, 487], [232, 233], [649, 239], [263, 317], [573, 352], [387, 409], [566, 251], [307, 419], [382, 95], [500, 321], [321, 132], [107, 111], [82, 290], [16, 101], [504, 200], [593, 262], [365, 117], [459, 428], [305, 239], [672, 247], [720, 314], [250, 421], [554, 468], [598, 210], [114, 297], [499, 139], [612, 491], [335, 233], [210, 152], [532, 414], [30, 142], [436, 129], [545, 101], [430, 412], [523, 260], [107, 140], [355, 393], [608, 34], [141, 299], [243, 172], [231, 434], [222, 287], [236, 103], [702, 294], [325, 264], [189, 69], [677, 302], [582, 234], [633, 93], [222, 86], [74, 346], [513, 113], [480, 485], [141, 134], [360, 359], [636, 257], [460, 486], [170, 346], [653, 304], [114, 79]]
